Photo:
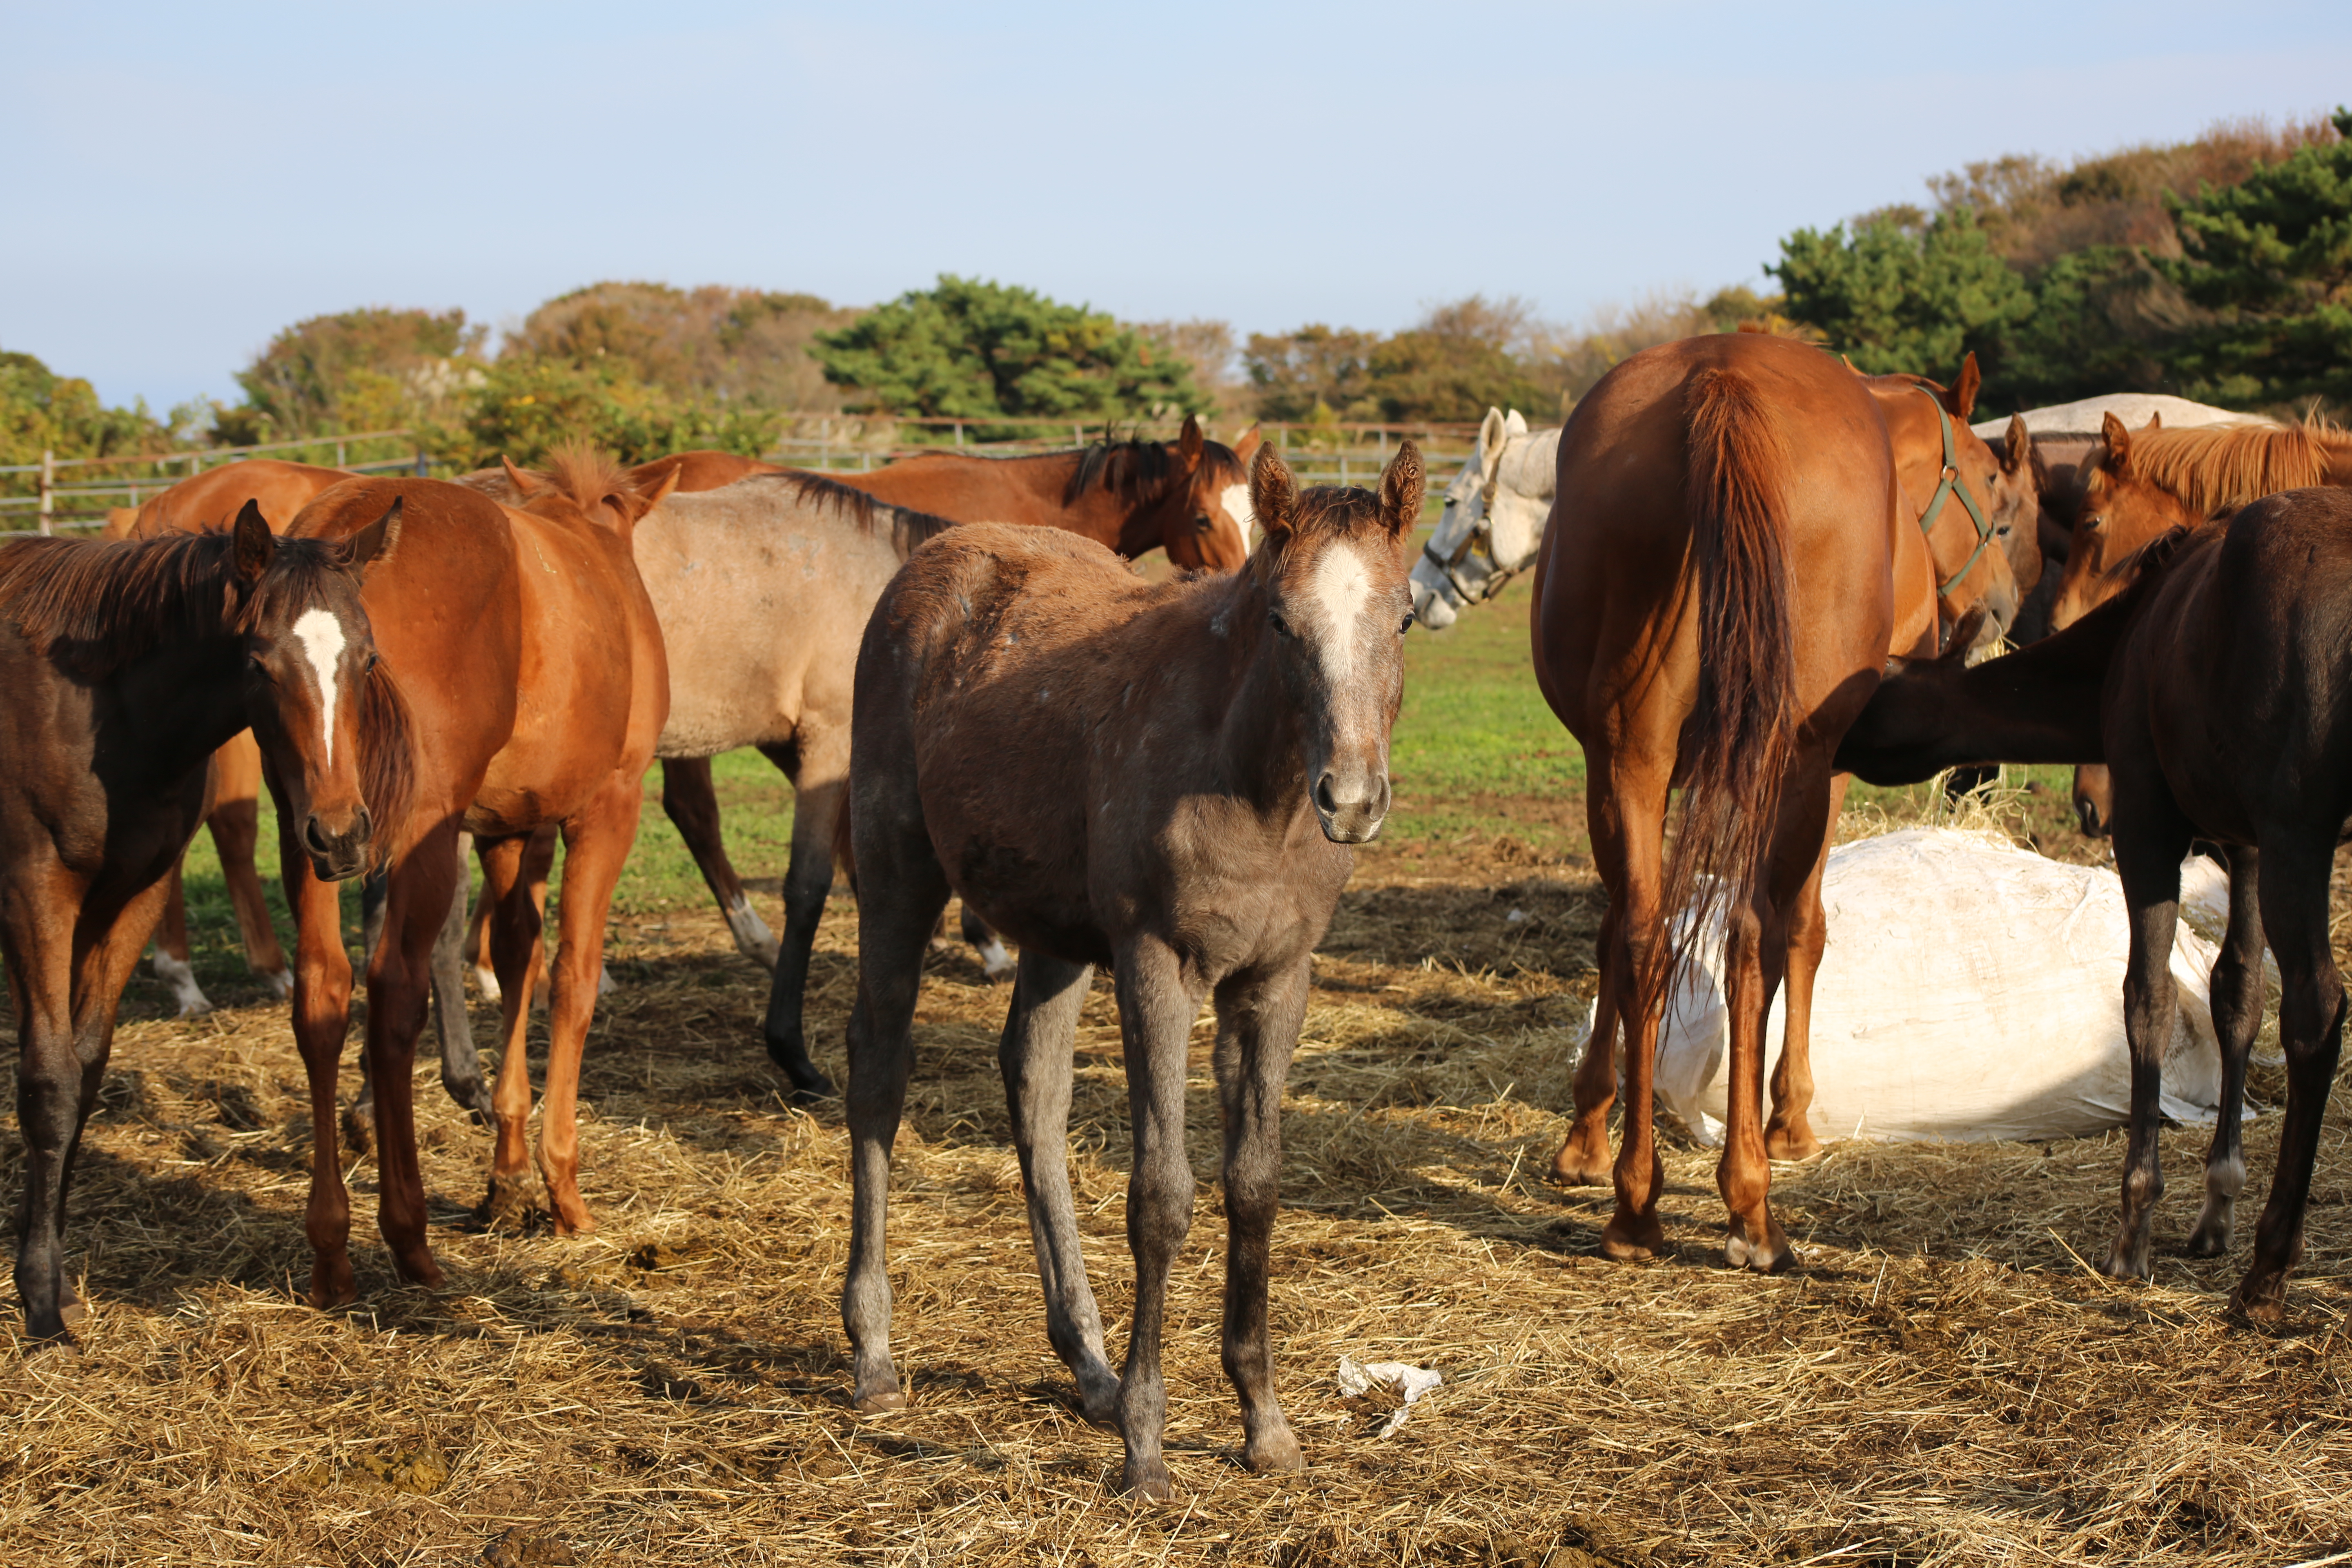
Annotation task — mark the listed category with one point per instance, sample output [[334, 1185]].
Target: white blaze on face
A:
[[1235, 500], [1336, 600], [321, 637]]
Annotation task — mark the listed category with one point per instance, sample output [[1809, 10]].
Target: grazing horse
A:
[[1493, 520], [1730, 557], [2211, 687], [211, 499], [529, 656], [124, 667], [1159, 778]]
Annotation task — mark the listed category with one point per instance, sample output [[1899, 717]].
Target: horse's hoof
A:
[[508, 1205], [2129, 1263], [2260, 1299], [359, 1131], [420, 1269], [332, 1285], [1148, 1482], [280, 983], [1099, 1399], [2207, 1241], [1275, 1451], [875, 1403], [1775, 1255], [809, 1083], [1579, 1173], [1635, 1243], [1800, 1144]]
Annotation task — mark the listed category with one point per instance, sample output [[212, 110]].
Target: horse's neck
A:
[[186, 698], [998, 490]]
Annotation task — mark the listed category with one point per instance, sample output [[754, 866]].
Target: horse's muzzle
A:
[[1351, 811], [338, 857]]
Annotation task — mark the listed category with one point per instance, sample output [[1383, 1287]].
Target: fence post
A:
[[339, 454], [824, 444], [196, 462], [48, 486], [424, 467], [959, 430]]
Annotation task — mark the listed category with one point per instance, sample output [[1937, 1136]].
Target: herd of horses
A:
[[1756, 573]]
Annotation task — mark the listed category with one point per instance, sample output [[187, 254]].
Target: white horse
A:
[[1496, 510]]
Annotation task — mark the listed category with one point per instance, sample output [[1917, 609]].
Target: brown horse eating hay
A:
[[124, 667], [2212, 686], [1730, 557], [1159, 778]]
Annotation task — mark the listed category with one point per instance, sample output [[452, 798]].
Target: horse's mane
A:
[[1134, 471], [2217, 467], [909, 529], [94, 606], [584, 475]]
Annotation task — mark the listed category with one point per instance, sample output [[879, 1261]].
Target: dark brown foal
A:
[[2213, 690], [1160, 778]]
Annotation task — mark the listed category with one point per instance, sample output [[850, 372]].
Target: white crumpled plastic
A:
[[1360, 1378], [1970, 990]]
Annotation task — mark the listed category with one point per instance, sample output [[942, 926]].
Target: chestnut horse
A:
[[1730, 557], [1159, 778], [529, 656], [1977, 503], [210, 500], [2210, 686], [123, 667], [2148, 481]]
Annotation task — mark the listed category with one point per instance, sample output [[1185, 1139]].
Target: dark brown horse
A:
[[2211, 687], [124, 666], [529, 656], [1162, 779], [1729, 560]]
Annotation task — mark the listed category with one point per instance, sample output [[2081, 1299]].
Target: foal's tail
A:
[[1739, 738]]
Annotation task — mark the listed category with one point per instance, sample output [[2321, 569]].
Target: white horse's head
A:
[[1494, 520]]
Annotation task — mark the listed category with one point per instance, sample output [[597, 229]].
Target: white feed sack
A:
[[1970, 990]]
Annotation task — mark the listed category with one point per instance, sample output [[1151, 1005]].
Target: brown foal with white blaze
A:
[[1162, 778]]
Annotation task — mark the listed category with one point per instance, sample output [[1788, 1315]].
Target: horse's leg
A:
[[1155, 1011], [692, 802], [322, 1004], [415, 908], [2311, 1027], [172, 965], [1626, 815], [819, 787], [994, 961], [375, 888], [514, 885], [1257, 1029], [1755, 957], [1790, 1135], [475, 950], [41, 913], [901, 891], [596, 843], [2150, 838], [2237, 997], [1034, 1055], [1583, 1157], [236, 823], [461, 1064]]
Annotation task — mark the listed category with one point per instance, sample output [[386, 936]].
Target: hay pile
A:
[[1944, 1382]]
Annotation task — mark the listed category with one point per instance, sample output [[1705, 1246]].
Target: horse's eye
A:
[[1202, 524], [1273, 618], [1407, 625]]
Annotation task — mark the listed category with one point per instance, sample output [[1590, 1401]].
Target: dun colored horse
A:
[[210, 500], [1730, 557], [529, 656], [1159, 778], [2211, 687], [123, 667]]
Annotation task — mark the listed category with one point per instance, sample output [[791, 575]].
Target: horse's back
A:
[[214, 497], [966, 489]]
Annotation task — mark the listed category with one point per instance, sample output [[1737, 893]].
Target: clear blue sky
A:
[[184, 180]]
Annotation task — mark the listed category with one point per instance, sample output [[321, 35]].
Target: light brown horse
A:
[[527, 652], [1975, 502], [210, 500], [1161, 778], [123, 666], [1730, 557]]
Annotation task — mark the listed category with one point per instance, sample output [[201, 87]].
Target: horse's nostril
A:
[[1323, 794], [363, 825], [314, 835]]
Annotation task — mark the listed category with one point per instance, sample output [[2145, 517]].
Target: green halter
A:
[[1952, 484]]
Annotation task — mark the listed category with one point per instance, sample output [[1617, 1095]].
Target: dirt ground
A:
[[1942, 1381]]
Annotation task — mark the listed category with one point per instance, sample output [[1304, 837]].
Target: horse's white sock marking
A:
[[1338, 593], [321, 637], [1235, 500]]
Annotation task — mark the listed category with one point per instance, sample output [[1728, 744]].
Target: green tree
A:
[[2271, 258], [1317, 367], [42, 411], [355, 370], [525, 406], [730, 344], [1903, 291], [972, 349]]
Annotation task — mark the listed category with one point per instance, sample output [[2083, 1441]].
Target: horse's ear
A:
[[1274, 494], [2154, 420], [1190, 442], [1246, 446], [1403, 487], [523, 488], [1492, 431], [251, 544], [2118, 443], [374, 544], [2020, 453], [1515, 423], [662, 491], [1962, 399]]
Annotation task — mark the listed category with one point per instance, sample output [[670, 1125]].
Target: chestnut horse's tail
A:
[[1736, 744], [387, 760]]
